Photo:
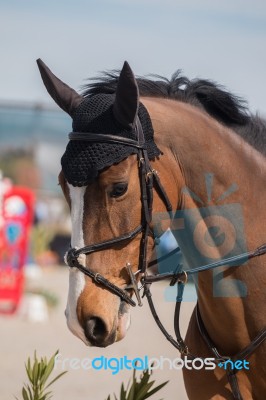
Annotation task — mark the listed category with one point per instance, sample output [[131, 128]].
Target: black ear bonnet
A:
[[83, 160], [105, 114]]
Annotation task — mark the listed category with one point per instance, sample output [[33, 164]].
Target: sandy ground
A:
[[20, 337]]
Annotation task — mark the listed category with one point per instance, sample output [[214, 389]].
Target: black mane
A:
[[230, 110]]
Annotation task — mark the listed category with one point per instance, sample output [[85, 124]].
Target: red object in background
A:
[[16, 217]]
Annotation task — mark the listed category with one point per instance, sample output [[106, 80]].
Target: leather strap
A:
[[99, 137], [243, 354], [107, 243], [232, 378], [178, 344], [230, 262], [98, 278], [256, 342]]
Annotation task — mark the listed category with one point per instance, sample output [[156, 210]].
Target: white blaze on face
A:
[[76, 277]]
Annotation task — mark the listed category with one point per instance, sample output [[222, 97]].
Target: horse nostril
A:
[[95, 331]]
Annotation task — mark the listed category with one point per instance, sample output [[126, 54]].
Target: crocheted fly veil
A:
[[104, 114]]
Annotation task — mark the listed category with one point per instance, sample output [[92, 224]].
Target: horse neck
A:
[[218, 168], [202, 148]]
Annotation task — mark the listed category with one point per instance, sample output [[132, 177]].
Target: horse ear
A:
[[66, 97], [126, 103]]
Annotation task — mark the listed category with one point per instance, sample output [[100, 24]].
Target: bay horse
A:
[[139, 146]]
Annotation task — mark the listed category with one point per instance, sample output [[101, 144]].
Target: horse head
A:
[[104, 186]]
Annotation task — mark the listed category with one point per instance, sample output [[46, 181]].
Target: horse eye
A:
[[119, 189]]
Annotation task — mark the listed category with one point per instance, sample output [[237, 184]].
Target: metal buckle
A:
[[184, 350], [141, 161], [180, 277], [96, 277], [183, 280], [134, 283], [151, 173]]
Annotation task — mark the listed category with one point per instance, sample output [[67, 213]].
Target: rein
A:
[[181, 277], [150, 180]]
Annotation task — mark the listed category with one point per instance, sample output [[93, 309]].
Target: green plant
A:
[[38, 373], [139, 390]]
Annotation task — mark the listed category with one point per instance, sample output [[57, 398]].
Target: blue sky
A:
[[220, 40]]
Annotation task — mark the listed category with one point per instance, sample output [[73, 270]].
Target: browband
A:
[[104, 138], [99, 137]]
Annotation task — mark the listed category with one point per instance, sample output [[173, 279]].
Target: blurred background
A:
[[222, 41]]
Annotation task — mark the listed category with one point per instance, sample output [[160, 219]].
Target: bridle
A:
[[150, 180]]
